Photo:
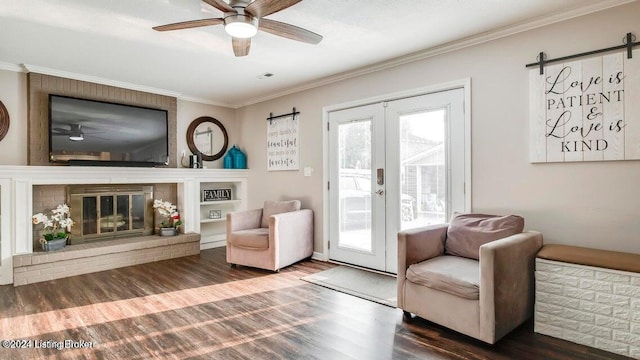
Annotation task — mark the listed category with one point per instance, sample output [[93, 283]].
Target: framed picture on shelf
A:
[[216, 194], [215, 214]]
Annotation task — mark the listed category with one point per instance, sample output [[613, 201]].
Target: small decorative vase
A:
[[55, 244], [168, 231], [239, 160], [227, 161]]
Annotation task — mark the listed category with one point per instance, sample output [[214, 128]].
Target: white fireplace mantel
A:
[[16, 196]]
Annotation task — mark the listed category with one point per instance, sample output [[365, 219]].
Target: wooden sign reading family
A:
[[587, 110]]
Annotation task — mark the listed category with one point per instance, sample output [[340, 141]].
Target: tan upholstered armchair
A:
[[270, 238], [484, 298]]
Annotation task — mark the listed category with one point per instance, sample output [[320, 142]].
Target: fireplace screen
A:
[[107, 212]]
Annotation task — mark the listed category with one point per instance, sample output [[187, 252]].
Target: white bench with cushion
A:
[[590, 297]]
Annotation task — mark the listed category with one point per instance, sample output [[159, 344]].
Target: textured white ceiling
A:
[[113, 39]]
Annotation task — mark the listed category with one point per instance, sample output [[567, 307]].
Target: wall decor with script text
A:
[[282, 142], [216, 194], [586, 110]]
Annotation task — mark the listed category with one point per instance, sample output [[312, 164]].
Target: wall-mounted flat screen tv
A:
[[88, 132]]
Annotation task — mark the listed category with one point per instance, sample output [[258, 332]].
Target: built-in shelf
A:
[[217, 202], [214, 231], [204, 221]]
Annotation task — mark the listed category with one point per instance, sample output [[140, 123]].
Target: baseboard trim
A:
[[213, 244]]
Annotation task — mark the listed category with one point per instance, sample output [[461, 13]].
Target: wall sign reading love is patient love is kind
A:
[[587, 110]]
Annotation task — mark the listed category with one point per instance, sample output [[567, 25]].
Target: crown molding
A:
[[445, 48], [103, 81], [206, 102], [98, 80], [11, 67]]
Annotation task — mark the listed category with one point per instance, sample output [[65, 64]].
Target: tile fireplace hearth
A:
[[98, 256]]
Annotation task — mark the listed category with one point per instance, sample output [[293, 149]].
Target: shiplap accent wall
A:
[[40, 86]]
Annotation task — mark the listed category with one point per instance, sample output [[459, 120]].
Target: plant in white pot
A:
[[55, 232], [170, 217]]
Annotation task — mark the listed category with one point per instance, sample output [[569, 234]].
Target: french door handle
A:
[[380, 192], [380, 176]]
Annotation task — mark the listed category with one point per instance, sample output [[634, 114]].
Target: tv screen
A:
[[87, 132]]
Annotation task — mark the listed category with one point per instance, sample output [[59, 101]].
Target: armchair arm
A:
[[291, 236], [507, 283], [243, 220], [417, 245], [420, 244]]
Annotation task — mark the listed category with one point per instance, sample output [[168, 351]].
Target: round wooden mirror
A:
[[4, 121], [208, 137]]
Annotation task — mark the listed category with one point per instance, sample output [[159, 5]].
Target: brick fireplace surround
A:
[[23, 263]]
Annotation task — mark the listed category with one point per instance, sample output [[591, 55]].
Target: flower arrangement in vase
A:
[[55, 228], [170, 217]]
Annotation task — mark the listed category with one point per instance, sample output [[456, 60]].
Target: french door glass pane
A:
[[355, 174], [422, 169]]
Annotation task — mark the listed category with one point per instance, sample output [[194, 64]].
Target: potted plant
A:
[[170, 217], [55, 230]]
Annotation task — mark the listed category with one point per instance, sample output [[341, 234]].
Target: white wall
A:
[[593, 204], [13, 94], [189, 111]]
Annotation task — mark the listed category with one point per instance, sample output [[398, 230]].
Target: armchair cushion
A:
[[467, 232], [451, 274], [256, 239], [277, 207]]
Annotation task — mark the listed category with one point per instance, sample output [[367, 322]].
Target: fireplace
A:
[[108, 212]]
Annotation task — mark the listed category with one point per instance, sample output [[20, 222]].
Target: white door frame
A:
[[456, 84]]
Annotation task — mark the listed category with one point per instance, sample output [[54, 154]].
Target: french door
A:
[[393, 165]]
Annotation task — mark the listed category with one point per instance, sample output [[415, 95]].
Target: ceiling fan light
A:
[[76, 137], [241, 26]]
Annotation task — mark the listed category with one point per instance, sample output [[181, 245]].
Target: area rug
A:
[[363, 284]]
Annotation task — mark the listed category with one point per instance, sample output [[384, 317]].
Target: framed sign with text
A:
[[216, 194], [586, 110], [282, 143]]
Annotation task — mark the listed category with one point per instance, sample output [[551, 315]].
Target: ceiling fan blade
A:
[[241, 46], [220, 5], [289, 31], [189, 24], [260, 8]]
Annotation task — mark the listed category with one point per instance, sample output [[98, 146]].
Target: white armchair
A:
[[270, 238]]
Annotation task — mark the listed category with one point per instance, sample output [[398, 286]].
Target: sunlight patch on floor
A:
[[217, 343], [25, 326]]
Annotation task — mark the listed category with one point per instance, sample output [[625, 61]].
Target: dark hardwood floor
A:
[[199, 307]]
